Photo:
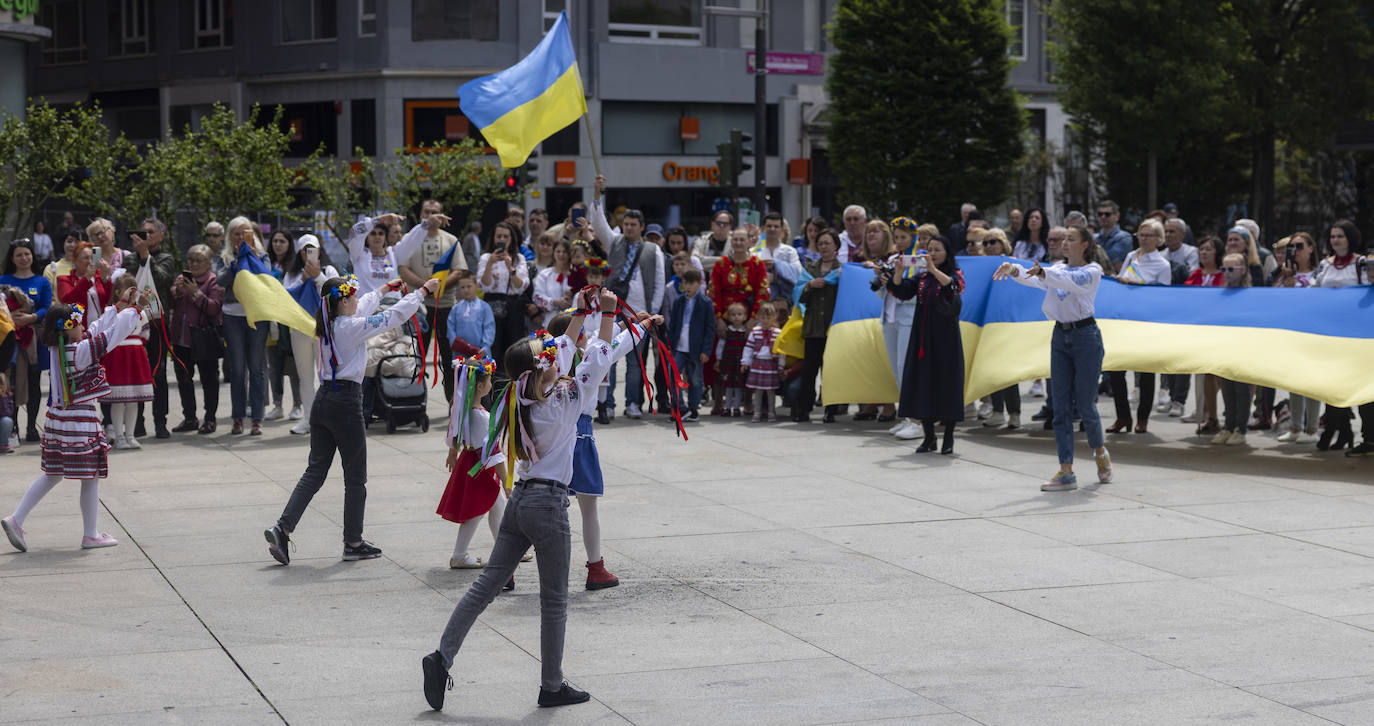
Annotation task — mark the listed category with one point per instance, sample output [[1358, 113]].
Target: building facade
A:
[[666, 82]]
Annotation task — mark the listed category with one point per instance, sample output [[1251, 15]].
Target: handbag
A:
[[207, 343]]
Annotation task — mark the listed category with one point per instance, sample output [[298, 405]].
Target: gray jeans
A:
[[536, 515]]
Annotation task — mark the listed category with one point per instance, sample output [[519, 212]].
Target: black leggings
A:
[[186, 387], [1121, 395], [811, 367]]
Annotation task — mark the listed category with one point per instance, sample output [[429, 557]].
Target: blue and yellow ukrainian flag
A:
[[1316, 342], [264, 298], [443, 267], [532, 100], [856, 368]]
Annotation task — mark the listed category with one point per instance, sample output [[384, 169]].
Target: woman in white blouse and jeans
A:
[[1075, 349], [502, 278]]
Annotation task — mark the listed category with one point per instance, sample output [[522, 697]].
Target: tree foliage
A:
[[51, 153], [921, 116]]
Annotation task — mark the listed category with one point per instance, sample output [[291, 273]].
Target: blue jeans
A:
[[536, 516], [690, 367], [634, 378], [6, 428], [246, 352], [1075, 367]]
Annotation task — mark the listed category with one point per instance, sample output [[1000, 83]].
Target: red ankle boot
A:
[[597, 576]]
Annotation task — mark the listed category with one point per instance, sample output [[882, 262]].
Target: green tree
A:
[[47, 155], [921, 116], [338, 189], [1143, 76], [459, 175]]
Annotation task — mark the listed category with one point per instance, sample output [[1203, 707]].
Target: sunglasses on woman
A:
[[1232, 268]]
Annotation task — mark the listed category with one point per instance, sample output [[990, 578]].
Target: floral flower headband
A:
[[478, 362], [77, 314], [596, 263], [347, 288], [548, 349], [906, 223]]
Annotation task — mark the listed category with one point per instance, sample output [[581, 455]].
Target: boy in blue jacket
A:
[[692, 330]]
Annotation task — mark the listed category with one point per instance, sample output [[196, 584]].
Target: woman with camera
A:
[[933, 377], [1075, 349], [197, 343], [502, 278]]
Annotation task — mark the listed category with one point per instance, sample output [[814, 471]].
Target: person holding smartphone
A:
[[502, 275]]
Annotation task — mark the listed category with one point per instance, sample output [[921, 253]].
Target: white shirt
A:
[[42, 247], [350, 334], [503, 281], [374, 272], [845, 244], [1069, 291], [1328, 275], [548, 290], [292, 279], [1151, 268], [553, 423], [786, 262], [1186, 254]]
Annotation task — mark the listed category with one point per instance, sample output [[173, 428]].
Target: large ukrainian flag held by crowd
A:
[[856, 368], [532, 100], [264, 298]]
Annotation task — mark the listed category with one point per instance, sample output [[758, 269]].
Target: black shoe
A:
[[139, 430], [187, 425], [601, 416], [1345, 438], [364, 551], [32, 436], [865, 416], [828, 418], [565, 696], [1043, 414], [926, 446], [1364, 449], [1048, 425], [948, 448], [162, 432], [887, 419], [510, 584], [1324, 442], [437, 680], [801, 418], [277, 543]]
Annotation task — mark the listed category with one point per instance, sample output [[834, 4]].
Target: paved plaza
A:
[[771, 574]]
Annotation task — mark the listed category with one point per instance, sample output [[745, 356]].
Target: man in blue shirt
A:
[[1114, 240]]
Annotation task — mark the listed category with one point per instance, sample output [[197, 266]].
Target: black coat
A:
[[933, 378]]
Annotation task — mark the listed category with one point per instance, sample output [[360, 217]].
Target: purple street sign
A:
[[797, 64]]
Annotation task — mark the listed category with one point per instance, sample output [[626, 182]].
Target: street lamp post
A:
[[760, 16]]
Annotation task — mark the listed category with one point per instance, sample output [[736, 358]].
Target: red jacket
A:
[[74, 290], [732, 282]]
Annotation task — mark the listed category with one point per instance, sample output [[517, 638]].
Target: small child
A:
[[6, 415], [471, 324], [474, 487], [682, 262], [761, 364], [74, 443], [730, 357], [130, 376], [578, 278], [691, 327], [1234, 394]]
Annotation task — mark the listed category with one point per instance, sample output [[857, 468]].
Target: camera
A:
[[1290, 256], [881, 270]]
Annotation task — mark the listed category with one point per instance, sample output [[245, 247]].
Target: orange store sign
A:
[[672, 171]]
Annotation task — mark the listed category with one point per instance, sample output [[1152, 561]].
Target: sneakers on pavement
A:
[[364, 551], [277, 544], [275, 413], [97, 542], [1062, 482], [1222, 437], [565, 696], [1013, 421], [1104, 467], [301, 429], [909, 431], [1236, 439], [692, 416], [437, 680], [1175, 410], [1037, 389], [997, 418], [297, 413], [15, 533], [632, 411], [1288, 437], [1364, 449], [467, 562]]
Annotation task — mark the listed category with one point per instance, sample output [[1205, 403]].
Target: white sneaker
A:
[[1194, 418], [1236, 439], [996, 419], [301, 429], [297, 413], [1222, 437], [632, 410], [120, 443], [274, 414], [1162, 407], [1288, 436], [1305, 438], [901, 424], [1037, 389], [131, 443], [1175, 410], [1014, 421], [110, 433], [984, 410], [911, 431]]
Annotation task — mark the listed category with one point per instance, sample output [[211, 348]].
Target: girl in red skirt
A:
[[74, 444], [474, 486], [129, 376]]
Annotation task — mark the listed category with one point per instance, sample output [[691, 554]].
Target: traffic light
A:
[[738, 139], [529, 175], [512, 183], [728, 164]]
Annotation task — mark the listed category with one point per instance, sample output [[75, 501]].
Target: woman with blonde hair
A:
[[245, 347], [878, 247]]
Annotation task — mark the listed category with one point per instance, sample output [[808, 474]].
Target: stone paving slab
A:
[[772, 574]]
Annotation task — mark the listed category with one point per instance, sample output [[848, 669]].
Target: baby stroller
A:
[[400, 393]]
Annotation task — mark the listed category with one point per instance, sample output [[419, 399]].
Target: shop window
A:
[[1016, 17], [68, 41], [454, 20], [306, 20], [367, 18], [656, 21], [130, 27], [364, 111], [430, 122], [552, 8], [207, 24]]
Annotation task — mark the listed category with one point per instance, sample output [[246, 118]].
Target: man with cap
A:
[[307, 269], [420, 266]]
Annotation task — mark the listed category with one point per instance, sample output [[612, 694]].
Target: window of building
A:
[[364, 111], [306, 20], [130, 28], [656, 128], [68, 41], [367, 18], [310, 126], [430, 121], [207, 24], [552, 8], [455, 20], [1016, 17], [656, 21]]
